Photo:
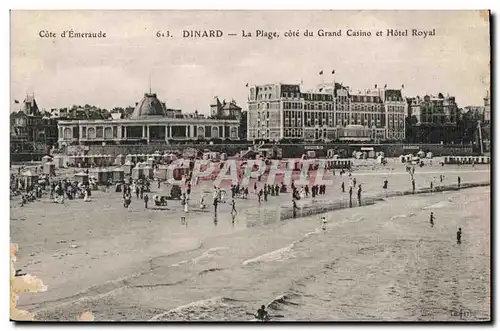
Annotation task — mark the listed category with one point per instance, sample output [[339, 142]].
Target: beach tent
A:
[[156, 156], [118, 175], [137, 173], [120, 159], [148, 172], [161, 172], [421, 154], [429, 155], [29, 178], [128, 158], [100, 160], [59, 161], [82, 177], [150, 162], [127, 167], [46, 159], [49, 168], [107, 160], [102, 175]]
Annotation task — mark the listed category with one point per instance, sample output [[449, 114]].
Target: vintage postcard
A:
[[250, 166]]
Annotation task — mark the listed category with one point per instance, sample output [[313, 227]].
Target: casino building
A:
[[150, 123]]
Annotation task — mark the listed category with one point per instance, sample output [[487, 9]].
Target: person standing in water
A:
[[324, 223], [459, 236], [431, 219]]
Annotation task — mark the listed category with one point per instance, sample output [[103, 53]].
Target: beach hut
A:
[[137, 173], [429, 155], [29, 179], [107, 160], [141, 157], [94, 173], [118, 174], [120, 159], [102, 175], [82, 177], [46, 159], [169, 158], [161, 172], [127, 167], [371, 154], [151, 162], [148, 172], [99, 160], [156, 156], [49, 168], [59, 161]]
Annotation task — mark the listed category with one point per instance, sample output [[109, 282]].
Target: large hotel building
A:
[[329, 112]]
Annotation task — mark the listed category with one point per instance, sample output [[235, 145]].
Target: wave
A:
[[276, 255], [209, 270], [206, 254], [281, 253], [283, 300], [202, 310], [441, 204]]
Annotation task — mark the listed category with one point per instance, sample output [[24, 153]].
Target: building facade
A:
[[30, 128], [225, 109], [328, 112], [150, 122], [434, 119]]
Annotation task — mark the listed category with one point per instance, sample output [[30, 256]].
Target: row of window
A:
[[372, 108], [399, 109]]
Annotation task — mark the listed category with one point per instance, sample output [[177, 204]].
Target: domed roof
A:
[[149, 106]]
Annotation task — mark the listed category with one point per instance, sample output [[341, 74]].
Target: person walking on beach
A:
[[431, 219], [459, 236], [184, 202], [233, 206], [459, 180], [215, 198], [413, 185], [202, 201], [294, 208], [359, 194], [343, 187], [146, 199]]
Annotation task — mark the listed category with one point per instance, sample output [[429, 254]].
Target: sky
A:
[[187, 73]]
